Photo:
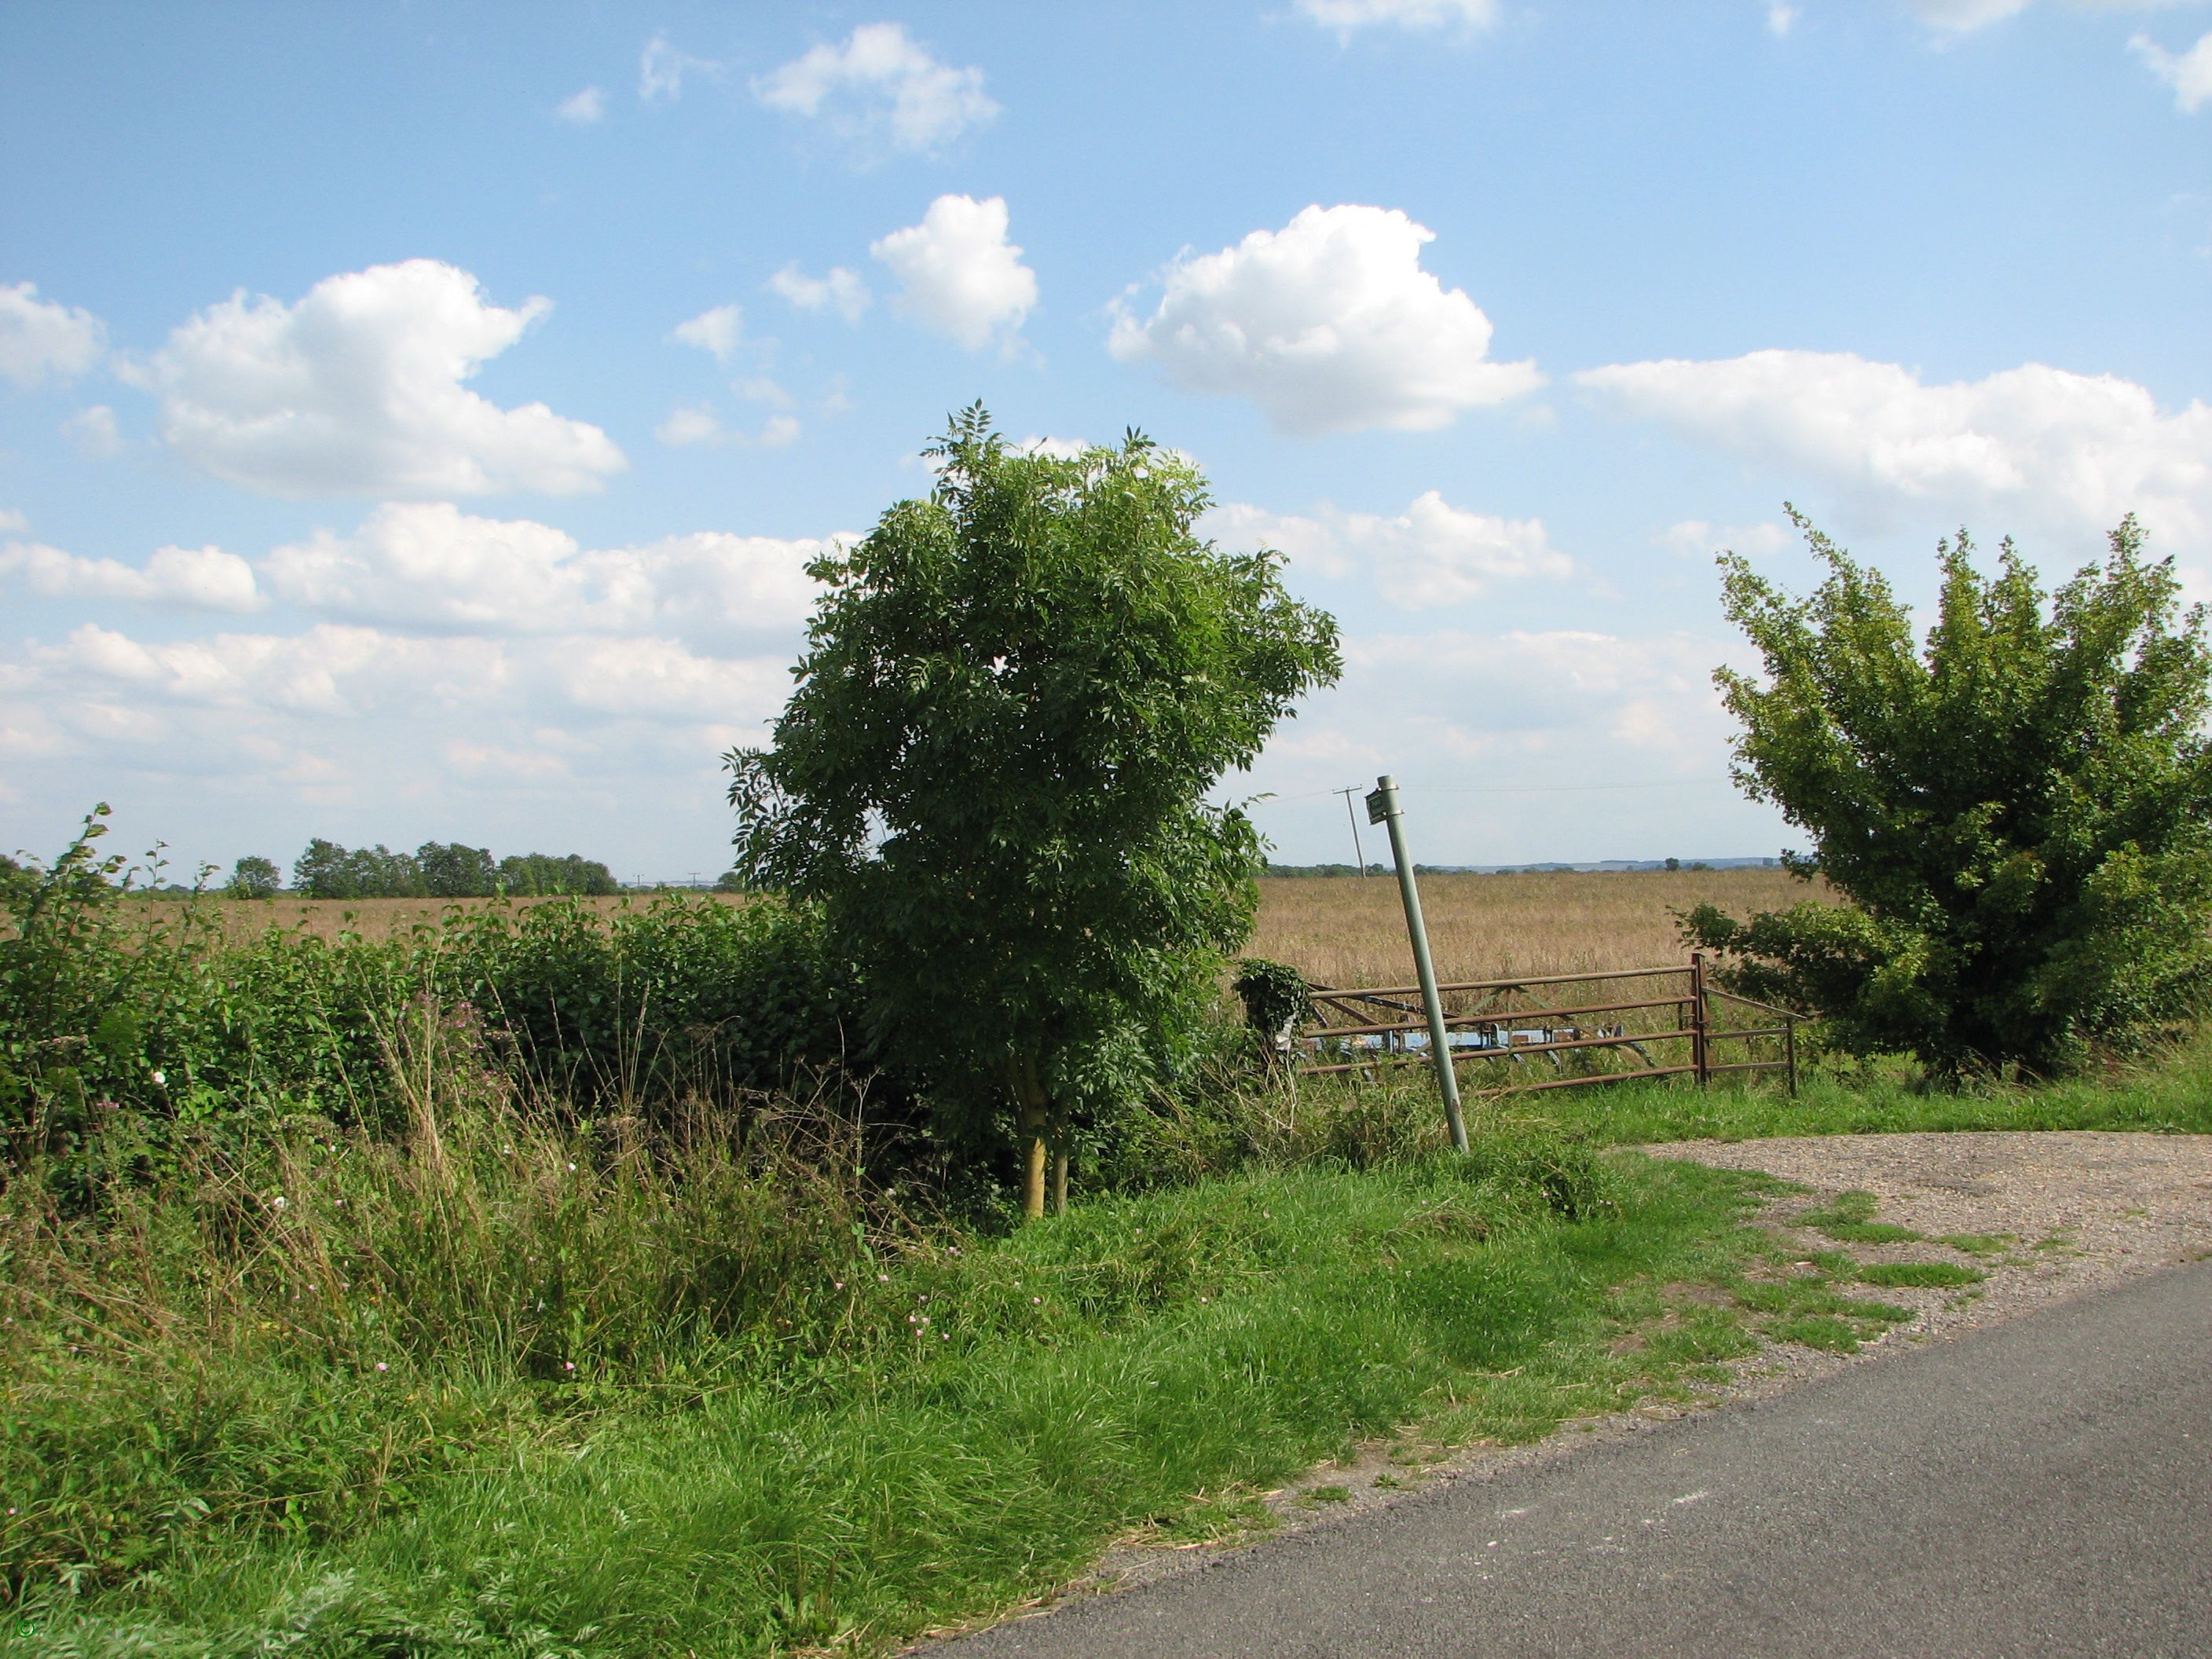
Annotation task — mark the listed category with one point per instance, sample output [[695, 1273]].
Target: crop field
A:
[[376, 918], [1349, 930], [1339, 930]]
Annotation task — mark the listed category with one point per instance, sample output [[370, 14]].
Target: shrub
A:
[[993, 775], [122, 1026], [2020, 811]]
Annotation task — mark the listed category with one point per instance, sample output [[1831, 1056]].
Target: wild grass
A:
[[234, 1428], [2165, 1090]]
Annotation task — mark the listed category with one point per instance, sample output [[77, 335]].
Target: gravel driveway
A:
[[2066, 1212]]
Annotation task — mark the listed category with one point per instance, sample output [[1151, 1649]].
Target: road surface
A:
[[2038, 1487]]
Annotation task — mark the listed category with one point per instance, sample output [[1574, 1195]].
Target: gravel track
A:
[[2084, 1209]]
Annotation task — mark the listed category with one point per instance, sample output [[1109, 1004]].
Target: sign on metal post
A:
[[1383, 808]]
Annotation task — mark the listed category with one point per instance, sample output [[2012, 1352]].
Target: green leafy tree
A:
[[324, 870], [255, 877], [1015, 698], [328, 870], [2020, 811], [450, 870], [539, 875]]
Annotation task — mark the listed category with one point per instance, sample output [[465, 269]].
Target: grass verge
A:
[[2168, 1092], [1141, 1364]]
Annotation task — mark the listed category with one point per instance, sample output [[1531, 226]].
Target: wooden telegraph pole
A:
[[1358, 852]]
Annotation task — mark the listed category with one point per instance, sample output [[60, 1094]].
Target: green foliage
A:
[[678, 995], [445, 870], [253, 877], [2020, 813], [91, 1003], [321, 1322], [533, 875], [450, 870], [1276, 998], [126, 1028], [220, 1466], [992, 773], [328, 870]]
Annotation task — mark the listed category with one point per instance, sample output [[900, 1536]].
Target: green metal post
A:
[[1383, 808]]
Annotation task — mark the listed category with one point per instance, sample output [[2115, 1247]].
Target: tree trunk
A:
[[1059, 1175], [1030, 1118]]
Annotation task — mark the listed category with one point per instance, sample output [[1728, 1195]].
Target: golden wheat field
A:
[[1337, 930], [1351, 930]]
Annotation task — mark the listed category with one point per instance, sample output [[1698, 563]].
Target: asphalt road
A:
[[2038, 1487]]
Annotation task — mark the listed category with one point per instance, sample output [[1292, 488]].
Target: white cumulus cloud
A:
[[40, 340], [1060, 449], [427, 669], [2188, 73], [958, 275], [1961, 17], [2036, 449], [841, 290], [583, 107], [1345, 15], [339, 714], [93, 431], [881, 86], [360, 389], [1431, 553], [1780, 18], [691, 424], [697, 424], [1329, 324], [428, 566], [661, 70], [1701, 538], [201, 578], [714, 332]]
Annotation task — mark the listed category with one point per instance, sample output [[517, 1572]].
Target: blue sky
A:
[[414, 418]]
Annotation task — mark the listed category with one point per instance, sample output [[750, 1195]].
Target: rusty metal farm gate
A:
[[1679, 1024]]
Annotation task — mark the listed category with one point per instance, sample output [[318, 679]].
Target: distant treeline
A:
[[434, 870]]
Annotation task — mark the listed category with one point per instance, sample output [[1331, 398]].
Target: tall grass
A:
[[947, 1422], [222, 1348]]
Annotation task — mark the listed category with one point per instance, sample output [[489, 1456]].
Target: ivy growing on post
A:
[[992, 776]]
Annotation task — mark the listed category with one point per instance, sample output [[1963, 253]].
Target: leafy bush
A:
[[680, 995], [122, 1024], [2020, 813], [993, 775]]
